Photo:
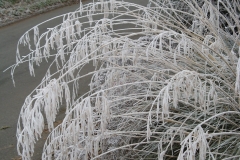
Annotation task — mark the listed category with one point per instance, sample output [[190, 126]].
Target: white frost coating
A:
[[165, 85], [237, 84]]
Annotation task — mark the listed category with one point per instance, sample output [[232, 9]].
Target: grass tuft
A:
[[165, 84]]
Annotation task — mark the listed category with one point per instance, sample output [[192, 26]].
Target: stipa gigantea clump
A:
[[165, 84]]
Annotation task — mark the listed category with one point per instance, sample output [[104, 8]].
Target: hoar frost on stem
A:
[[165, 83]]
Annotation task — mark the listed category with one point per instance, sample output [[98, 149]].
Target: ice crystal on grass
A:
[[165, 83]]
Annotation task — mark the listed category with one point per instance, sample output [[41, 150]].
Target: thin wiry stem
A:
[[165, 84]]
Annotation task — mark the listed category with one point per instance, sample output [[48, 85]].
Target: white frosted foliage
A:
[[165, 83]]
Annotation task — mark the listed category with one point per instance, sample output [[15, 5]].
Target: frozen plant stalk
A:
[[165, 84]]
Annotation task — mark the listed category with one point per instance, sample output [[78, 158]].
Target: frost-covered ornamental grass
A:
[[166, 83]]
